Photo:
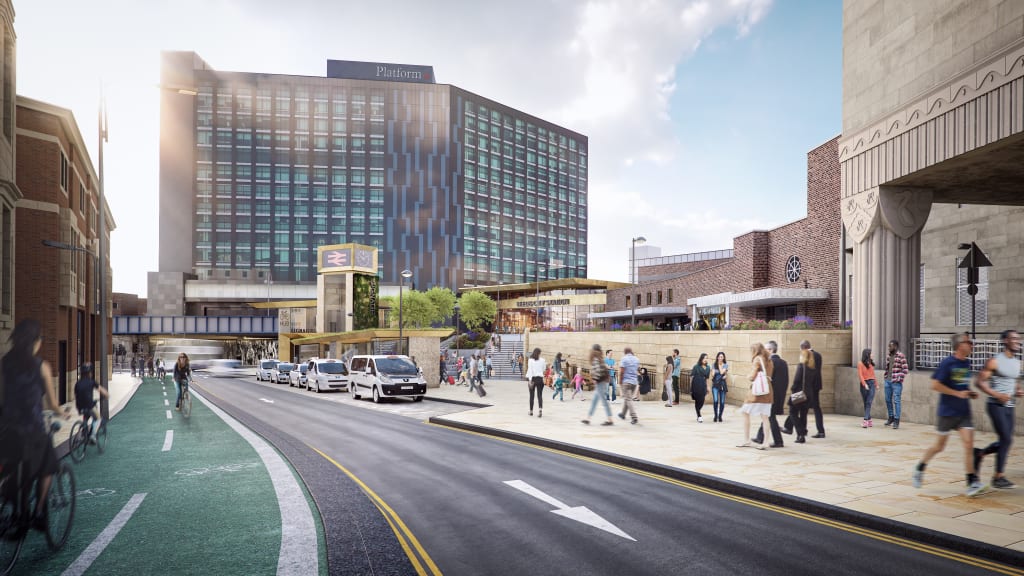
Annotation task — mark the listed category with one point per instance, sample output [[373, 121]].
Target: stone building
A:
[[9, 193]]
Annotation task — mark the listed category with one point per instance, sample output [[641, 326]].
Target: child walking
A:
[[559, 387], [577, 382]]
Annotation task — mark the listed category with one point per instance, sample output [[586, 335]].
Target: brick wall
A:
[[760, 257]]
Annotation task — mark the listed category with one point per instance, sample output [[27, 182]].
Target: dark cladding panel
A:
[[352, 70]]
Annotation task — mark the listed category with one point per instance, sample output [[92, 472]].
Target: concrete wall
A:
[[998, 232], [652, 348], [427, 354], [895, 50], [920, 403]]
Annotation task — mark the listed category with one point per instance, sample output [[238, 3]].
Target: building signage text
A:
[[380, 71], [542, 303]]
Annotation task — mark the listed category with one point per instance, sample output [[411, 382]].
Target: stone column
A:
[[885, 226]]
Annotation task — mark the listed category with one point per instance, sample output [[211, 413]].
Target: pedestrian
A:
[[666, 378], [521, 364], [458, 364], [895, 372], [757, 405], [798, 411], [149, 367], [490, 367], [133, 366], [559, 387], [556, 364], [629, 377], [577, 383], [951, 380], [780, 385], [699, 376], [481, 369], [609, 360], [25, 390], [600, 375], [868, 384], [497, 343], [676, 366], [719, 384], [999, 379], [535, 380], [645, 381], [812, 390], [443, 369]]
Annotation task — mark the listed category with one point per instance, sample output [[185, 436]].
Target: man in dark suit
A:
[[780, 388]]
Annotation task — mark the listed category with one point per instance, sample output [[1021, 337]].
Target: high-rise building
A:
[[258, 170]]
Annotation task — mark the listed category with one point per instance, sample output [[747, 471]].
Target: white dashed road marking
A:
[[85, 560], [168, 439]]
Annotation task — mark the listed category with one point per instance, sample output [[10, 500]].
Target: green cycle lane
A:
[[210, 506]]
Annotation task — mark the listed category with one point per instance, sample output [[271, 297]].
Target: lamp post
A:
[[457, 330], [536, 289], [269, 282], [401, 284], [632, 279]]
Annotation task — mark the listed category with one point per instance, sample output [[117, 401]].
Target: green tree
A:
[[417, 309], [444, 300], [476, 309]]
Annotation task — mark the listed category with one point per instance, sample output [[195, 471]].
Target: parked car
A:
[[388, 376], [326, 374], [297, 377], [265, 368], [281, 373]]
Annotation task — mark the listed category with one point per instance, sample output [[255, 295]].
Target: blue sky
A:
[[699, 113]]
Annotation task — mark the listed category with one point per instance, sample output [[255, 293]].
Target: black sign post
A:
[[974, 259]]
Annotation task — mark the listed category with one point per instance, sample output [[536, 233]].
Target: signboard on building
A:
[[364, 301], [380, 71], [346, 258]]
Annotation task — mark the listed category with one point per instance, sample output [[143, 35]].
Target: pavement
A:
[[864, 471]]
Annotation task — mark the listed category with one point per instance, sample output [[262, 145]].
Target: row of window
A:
[[286, 174], [478, 115], [242, 140], [283, 101], [656, 298]]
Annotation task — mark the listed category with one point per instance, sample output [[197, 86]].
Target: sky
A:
[[699, 113]]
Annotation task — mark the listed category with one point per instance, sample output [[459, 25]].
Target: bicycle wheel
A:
[[101, 437], [77, 441], [12, 535], [60, 507], [186, 403]]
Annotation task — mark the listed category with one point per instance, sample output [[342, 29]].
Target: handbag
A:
[[760, 387], [799, 397], [664, 392]]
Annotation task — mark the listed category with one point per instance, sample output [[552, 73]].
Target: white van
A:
[[385, 377], [326, 374], [265, 368]]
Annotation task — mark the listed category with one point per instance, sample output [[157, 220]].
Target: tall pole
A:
[[401, 284], [102, 248], [457, 351], [270, 282], [632, 284]]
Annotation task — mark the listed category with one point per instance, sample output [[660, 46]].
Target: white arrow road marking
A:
[[267, 401], [577, 513]]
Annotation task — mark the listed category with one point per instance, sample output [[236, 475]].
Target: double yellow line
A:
[[873, 534], [419, 558]]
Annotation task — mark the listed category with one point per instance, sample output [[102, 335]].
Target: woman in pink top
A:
[[868, 385]]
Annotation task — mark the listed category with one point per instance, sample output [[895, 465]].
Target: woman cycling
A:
[[182, 375]]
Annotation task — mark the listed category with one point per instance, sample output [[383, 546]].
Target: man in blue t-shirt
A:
[[952, 380]]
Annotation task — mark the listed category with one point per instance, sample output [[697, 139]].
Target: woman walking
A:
[[798, 412], [556, 365], [757, 405], [535, 380], [666, 379], [182, 374], [719, 384], [699, 376], [601, 376], [868, 385]]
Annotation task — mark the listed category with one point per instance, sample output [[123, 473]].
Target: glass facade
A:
[[457, 188]]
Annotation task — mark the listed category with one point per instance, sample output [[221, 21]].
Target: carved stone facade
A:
[[9, 193], [932, 112]]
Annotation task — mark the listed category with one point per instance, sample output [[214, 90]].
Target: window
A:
[[669, 295], [963, 299], [64, 172], [659, 296], [629, 301]]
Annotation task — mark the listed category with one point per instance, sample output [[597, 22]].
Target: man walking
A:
[[952, 379], [471, 367], [610, 361], [780, 387], [629, 370], [895, 372], [999, 379], [813, 389], [676, 365]]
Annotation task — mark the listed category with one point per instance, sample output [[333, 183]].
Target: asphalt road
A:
[[451, 491]]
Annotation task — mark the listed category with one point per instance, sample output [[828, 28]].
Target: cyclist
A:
[[160, 371], [85, 401], [26, 379], [182, 374]]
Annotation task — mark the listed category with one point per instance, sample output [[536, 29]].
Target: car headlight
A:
[[385, 379]]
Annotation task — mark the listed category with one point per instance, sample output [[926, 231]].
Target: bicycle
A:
[[16, 506], [80, 437], [186, 398]]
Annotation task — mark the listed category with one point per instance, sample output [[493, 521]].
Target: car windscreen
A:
[[268, 364], [396, 366], [285, 367], [333, 368], [303, 368]]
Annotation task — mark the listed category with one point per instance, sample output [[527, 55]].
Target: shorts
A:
[[946, 424], [40, 455], [84, 409]]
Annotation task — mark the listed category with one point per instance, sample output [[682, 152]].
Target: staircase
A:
[[501, 360]]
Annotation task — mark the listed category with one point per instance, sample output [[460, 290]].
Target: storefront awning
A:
[[761, 298], [645, 312]]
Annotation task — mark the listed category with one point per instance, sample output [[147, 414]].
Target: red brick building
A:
[[60, 203], [792, 270]]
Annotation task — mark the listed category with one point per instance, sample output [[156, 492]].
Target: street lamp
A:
[[457, 330], [269, 282], [632, 278], [401, 284], [100, 310]]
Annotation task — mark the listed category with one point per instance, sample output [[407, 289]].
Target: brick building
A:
[[771, 275], [59, 203], [128, 305]]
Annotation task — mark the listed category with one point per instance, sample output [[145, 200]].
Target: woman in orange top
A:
[[868, 385]]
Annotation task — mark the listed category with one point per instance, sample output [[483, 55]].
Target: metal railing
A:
[[929, 352]]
